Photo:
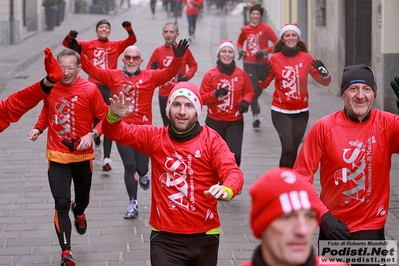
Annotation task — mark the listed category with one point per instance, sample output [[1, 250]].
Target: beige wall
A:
[[328, 42], [386, 52]]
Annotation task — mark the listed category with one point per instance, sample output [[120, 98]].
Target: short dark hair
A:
[[256, 7]]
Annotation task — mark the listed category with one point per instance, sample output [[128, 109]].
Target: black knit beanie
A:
[[103, 21], [358, 74], [256, 7]]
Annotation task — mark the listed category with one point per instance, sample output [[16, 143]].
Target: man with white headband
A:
[[192, 168]]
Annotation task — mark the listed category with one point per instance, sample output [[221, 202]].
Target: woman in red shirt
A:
[[227, 91], [290, 66]]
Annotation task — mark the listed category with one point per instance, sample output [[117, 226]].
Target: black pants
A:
[[106, 93], [253, 72], [152, 7], [168, 249], [378, 234], [133, 161], [231, 132], [60, 177], [291, 129], [192, 21]]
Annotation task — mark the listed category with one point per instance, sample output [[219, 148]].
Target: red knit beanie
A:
[[277, 192], [188, 90]]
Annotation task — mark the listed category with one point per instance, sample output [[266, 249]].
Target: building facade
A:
[[345, 32], [20, 19]]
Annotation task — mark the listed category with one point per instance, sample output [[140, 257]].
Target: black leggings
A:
[[291, 129], [192, 21], [152, 6], [231, 132], [60, 177], [253, 72], [168, 249], [133, 161]]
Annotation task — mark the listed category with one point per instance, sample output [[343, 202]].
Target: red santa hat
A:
[[188, 90], [225, 43], [288, 27], [277, 192]]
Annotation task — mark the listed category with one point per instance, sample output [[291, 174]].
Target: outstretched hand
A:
[[127, 25], [53, 69], [74, 45], [181, 48], [120, 105], [264, 71], [71, 35], [321, 68], [395, 87]]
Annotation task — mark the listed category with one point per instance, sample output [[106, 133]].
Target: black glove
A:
[[182, 77], [244, 106], [181, 48], [221, 92], [264, 71], [154, 65], [395, 87], [74, 45], [333, 228], [71, 35], [241, 54], [259, 55], [128, 26], [321, 68]]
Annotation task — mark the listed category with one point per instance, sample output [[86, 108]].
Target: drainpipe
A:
[[11, 25]]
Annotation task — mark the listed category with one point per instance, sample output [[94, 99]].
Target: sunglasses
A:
[[134, 57]]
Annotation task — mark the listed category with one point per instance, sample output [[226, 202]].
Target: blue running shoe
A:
[[132, 210], [144, 181]]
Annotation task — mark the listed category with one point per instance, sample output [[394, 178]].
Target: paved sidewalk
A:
[[27, 235]]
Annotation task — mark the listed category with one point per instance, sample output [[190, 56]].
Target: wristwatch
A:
[[94, 134]]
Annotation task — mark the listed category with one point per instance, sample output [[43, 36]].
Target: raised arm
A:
[[20, 102]]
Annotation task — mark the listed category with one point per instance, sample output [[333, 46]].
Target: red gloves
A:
[[53, 69], [128, 27]]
